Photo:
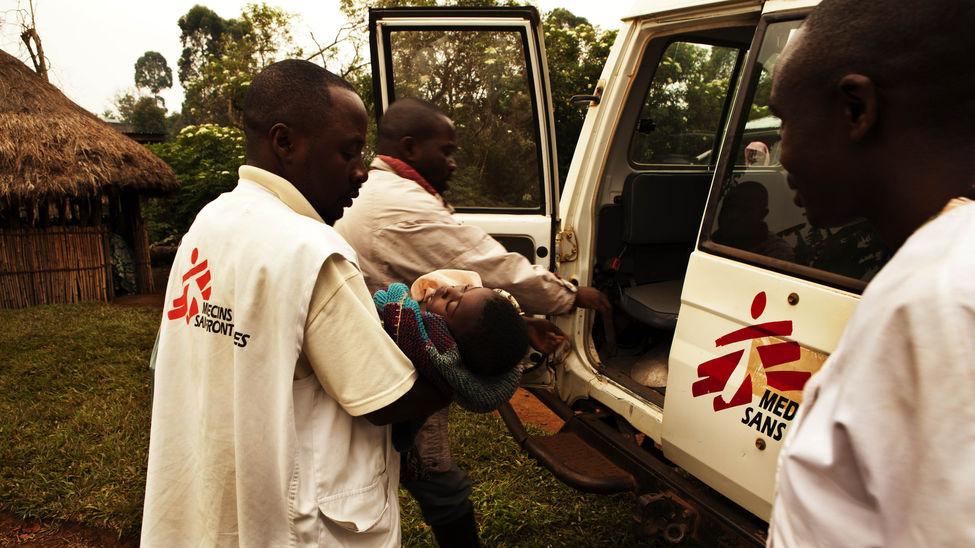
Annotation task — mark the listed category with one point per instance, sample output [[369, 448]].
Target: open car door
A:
[[485, 68]]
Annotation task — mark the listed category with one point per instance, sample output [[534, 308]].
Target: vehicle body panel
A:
[[699, 425]]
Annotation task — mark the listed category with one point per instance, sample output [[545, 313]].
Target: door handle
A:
[[584, 100]]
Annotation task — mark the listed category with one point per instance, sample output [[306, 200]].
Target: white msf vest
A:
[[240, 453]]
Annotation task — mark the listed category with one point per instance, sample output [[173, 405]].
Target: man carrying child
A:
[[402, 228]]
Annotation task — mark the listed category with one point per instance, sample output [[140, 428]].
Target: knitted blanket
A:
[[427, 342]]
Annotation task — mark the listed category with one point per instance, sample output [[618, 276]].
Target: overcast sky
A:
[[92, 45]]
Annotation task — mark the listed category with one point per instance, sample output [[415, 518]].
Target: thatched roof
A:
[[51, 147]]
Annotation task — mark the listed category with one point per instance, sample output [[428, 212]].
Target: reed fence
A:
[[54, 265]]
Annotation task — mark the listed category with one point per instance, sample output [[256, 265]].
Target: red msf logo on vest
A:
[[199, 273]]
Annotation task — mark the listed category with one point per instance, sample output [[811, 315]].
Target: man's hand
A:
[[594, 299], [544, 335]]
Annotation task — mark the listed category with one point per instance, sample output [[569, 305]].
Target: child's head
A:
[[490, 334]]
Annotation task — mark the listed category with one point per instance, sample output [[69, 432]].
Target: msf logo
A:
[[184, 306], [714, 375]]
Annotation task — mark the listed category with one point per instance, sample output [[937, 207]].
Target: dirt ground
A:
[[534, 412], [16, 532]]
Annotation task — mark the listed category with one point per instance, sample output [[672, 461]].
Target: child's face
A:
[[460, 306]]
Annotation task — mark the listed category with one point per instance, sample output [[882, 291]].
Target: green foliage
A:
[[220, 56], [205, 158], [476, 79], [145, 113], [479, 79], [576, 52], [684, 103], [153, 73], [203, 34]]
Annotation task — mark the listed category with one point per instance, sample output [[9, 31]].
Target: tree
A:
[[220, 57], [144, 113], [205, 159], [203, 34], [683, 106], [479, 80], [31, 39], [576, 52], [152, 72]]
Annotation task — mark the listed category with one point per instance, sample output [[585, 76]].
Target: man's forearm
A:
[[420, 401]]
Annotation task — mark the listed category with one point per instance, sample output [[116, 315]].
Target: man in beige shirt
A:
[[401, 228]]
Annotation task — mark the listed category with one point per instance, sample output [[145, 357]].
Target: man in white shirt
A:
[[878, 121], [274, 378], [402, 228]]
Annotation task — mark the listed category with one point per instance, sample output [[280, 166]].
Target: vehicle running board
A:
[[714, 518], [570, 459]]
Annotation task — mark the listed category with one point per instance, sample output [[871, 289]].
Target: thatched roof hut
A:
[[67, 182]]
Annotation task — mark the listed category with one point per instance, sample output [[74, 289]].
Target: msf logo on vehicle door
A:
[[775, 372], [205, 315]]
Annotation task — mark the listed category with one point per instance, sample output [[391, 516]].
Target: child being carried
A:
[[465, 339]]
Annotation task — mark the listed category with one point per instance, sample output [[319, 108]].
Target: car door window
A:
[[684, 106], [480, 78], [756, 211]]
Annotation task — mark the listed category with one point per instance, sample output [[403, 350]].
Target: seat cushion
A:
[[654, 304]]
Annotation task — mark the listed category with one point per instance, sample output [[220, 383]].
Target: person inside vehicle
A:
[[402, 227], [756, 154], [741, 223], [878, 122]]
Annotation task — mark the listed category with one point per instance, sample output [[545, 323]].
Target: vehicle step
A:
[[570, 459]]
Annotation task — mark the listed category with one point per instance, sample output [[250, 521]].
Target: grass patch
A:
[[517, 502], [74, 397], [74, 402]]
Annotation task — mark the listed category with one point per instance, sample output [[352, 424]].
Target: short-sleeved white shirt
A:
[[883, 450]]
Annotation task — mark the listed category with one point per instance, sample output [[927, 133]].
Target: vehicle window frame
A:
[[733, 84], [726, 165], [386, 32]]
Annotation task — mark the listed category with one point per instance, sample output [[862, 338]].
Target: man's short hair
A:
[[293, 92], [924, 48], [498, 341], [410, 117]]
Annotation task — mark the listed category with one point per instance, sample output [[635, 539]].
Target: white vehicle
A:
[[675, 204]]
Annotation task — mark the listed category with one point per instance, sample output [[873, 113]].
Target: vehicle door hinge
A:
[[567, 245]]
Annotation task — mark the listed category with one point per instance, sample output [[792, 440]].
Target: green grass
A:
[[517, 502], [74, 402], [74, 431]]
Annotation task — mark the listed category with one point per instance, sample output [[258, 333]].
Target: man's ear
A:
[[407, 147], [861, 104], [282, 141]]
